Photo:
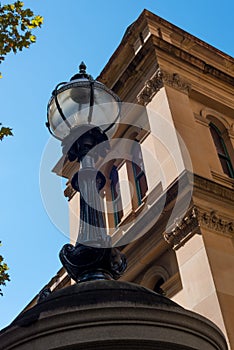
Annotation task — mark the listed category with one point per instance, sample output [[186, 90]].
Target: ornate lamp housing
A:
[[82, 102], [82, 114]]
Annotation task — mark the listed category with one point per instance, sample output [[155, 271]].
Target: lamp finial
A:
[[82, 68], [82, 73]]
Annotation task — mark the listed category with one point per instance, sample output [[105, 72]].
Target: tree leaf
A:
[[5, 131], [32, 38]]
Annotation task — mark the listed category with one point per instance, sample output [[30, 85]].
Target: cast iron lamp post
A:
[[83, 114]]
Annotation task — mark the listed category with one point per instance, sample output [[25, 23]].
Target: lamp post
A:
[[83, 114]]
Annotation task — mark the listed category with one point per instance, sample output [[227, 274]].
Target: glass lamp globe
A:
[[82, 102]]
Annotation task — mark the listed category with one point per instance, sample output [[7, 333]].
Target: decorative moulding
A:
[[173, 285], [176, 81], [151, 87], [205, 113], [152, 274], [222, 179], [213, 188], [159, 80], [215, 221], [201, 119], [183, 230], [196, 218]]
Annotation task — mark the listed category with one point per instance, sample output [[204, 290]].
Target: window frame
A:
[[138, 175], [116, 202], [222, 156]]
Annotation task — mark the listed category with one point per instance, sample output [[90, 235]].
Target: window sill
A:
[[140, 206], [132, 213]]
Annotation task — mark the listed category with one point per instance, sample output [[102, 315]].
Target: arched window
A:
[[139, 172], [221, 150], [115, 195]]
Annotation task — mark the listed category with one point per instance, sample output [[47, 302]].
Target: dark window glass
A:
[[157, 288], [139, 172], [115, 195], [222, 151], [218, 141], [142, 185]]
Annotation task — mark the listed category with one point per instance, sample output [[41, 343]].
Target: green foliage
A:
[[16, 26], [4, 276], [5, 131]]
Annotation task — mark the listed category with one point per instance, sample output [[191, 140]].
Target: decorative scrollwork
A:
[[183, 230], [85, 263], [174, 80], [215, 222], [151, 87], [158, 80], [192, 223]]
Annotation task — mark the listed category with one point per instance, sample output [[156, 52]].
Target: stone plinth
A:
[[110, 315]]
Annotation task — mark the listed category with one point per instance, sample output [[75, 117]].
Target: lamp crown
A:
[[82, 68], [82, 73]]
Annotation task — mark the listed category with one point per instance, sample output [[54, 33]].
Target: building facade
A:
[[169, 194]]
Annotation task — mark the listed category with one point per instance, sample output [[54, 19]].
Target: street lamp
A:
[[83, 114]]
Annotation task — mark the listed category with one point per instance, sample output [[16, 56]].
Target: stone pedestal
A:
[[110, 315]]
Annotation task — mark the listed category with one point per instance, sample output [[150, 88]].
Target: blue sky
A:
[[73, 31]]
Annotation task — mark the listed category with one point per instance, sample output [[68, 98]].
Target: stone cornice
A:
[[183, 36], [177, 49], [213, 188], [193, 60], [158, 80], [222, 179]]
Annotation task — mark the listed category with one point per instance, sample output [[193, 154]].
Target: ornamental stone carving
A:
[[215, 222], [158, 80], [174, 80], [151, 87], [193, 221], [183, 230]]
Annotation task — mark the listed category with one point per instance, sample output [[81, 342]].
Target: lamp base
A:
[[82, 139], [86, 263]]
